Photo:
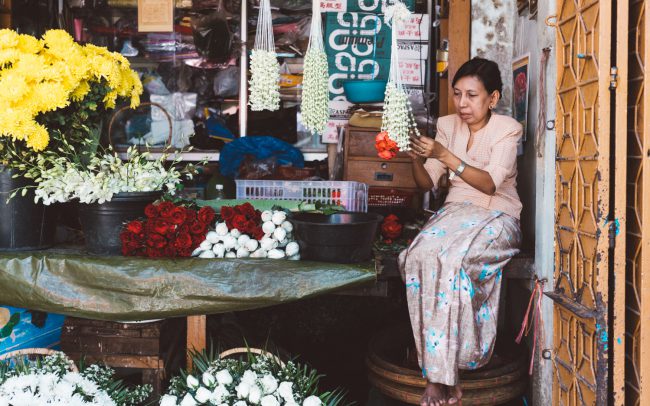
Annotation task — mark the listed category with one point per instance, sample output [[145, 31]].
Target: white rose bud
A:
[[243, 239], [252, 245], [285, 390], [224, 377], [212, 237], [275, 254], [242, 252], [268, 227], [188, 400], [240, 403], [202, 395], [255, 395], [292, 248], [221, 229], [229, 242], [287, 226], [235, 233], [269, 384], [208, 379], [268, 243], [294, 257], [259, 253], [269, 400], [230, 255], [168, 400], [279, 217], [242, 390], [312, 401], [207, 254], [197, 251], [192, 382], [280, 234], [267, 215], [249, 377], [219, 250], [205, 244]]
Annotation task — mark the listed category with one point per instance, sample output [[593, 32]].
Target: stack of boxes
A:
[[358, 46]]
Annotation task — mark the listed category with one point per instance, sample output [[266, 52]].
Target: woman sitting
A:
[[453, 267]]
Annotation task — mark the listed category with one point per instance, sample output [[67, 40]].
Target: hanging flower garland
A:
[[397, 120], [265, 69], [315, 97]]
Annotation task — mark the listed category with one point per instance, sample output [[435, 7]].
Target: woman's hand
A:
[[426, 147], [415, 157]]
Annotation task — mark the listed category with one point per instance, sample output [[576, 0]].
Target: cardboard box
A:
[[412, 49], [412, 71], [331, 133], [415, 29], [340, 109], [366, 6]]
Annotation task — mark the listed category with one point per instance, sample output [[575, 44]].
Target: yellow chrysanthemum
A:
[[8, 39], [81, 91], [29, 45]]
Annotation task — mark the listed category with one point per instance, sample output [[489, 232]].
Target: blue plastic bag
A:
[[262, 147]]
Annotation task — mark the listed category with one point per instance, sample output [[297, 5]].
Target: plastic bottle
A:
[[218, 195]]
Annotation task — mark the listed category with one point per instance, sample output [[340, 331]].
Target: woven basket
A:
[[33, 353], [244, 350], [151, 104]]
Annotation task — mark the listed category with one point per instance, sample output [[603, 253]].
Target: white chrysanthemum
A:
[[269, 384], [312, 401], [265, 81]]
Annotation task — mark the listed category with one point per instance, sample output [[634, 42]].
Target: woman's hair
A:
[[485, 70]]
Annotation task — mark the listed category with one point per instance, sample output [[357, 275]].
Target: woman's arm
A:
[[426, 147], [420, 174]]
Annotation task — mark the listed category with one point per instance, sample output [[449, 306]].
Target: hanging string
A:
[[537, 324], [264, 35], [316, 29]]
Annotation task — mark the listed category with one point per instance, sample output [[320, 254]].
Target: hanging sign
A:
[[156, 15]]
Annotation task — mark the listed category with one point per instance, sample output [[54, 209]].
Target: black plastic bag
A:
[[212, 37]]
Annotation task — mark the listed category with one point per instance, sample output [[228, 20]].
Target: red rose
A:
[[178, 215], [169, 251], [185, 252], [135, 227], [165, 209], [197, 227], [391, 218], [239, 222], [190, 214], [153, 253], [258, 233], [156, 241], [151, 211], [248, 210], [183, 229], [184, 240], [197, 240], [205, 215], [161, 226], [227, 212], [391, 229]]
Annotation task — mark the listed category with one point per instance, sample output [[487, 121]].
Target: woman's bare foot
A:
[[455, 393], [435, 394]]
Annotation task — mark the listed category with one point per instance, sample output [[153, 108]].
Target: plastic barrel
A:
[[102, 223], [24, 225]]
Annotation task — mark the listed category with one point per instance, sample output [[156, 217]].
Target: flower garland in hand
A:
[[169, 230]]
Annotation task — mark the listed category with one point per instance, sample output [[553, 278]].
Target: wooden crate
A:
[[155, 348]]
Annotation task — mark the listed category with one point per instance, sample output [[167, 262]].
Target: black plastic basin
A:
[[342, 237]]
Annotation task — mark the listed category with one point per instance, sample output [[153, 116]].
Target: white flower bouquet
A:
[[62, 178], [258, 380], [50, 382]]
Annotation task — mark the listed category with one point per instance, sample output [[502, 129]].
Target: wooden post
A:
[[196, 331], [460, 29]]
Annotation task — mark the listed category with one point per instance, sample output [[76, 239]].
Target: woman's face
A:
[[472, 100]]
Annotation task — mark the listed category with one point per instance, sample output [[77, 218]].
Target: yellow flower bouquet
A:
[[53, 94]]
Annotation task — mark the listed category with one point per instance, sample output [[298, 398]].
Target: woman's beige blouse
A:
[[494, 150]]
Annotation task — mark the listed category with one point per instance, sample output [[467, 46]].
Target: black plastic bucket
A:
[[342, 237], [102, 223], [24, 225]]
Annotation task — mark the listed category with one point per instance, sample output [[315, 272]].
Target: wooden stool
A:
[[155, 348]]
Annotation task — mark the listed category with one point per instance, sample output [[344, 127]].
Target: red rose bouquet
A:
[[244, 218], [386, 148], [169, 230]]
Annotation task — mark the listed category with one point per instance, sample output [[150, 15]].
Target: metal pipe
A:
[[243, 74]]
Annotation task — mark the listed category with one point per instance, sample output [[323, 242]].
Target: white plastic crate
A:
[[351, 195]]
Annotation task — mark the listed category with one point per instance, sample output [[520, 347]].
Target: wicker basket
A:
[[151, 104], [32, 354], [243, 350]]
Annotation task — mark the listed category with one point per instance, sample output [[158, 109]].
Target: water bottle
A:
[[218, 192]]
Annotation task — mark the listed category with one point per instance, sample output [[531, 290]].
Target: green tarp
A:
[[119, 288]]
